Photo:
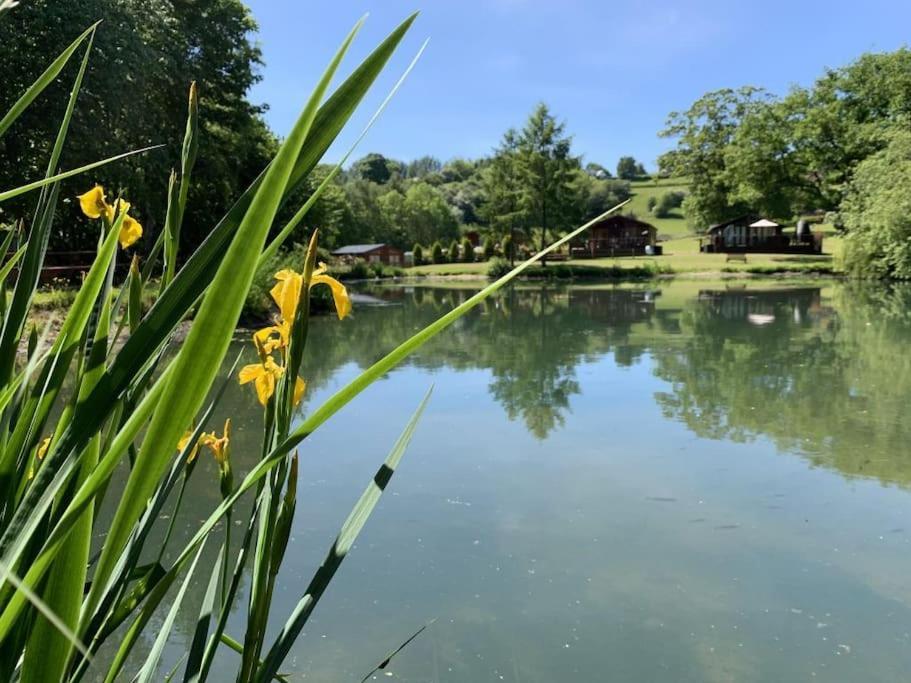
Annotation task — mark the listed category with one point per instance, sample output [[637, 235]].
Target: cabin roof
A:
[[764, 223], [745, 218], [618, 221], [357, 249]]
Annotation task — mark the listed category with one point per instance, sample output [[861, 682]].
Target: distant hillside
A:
[[673, 226]]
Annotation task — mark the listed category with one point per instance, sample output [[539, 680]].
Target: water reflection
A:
[[605, 486], [823, 376]]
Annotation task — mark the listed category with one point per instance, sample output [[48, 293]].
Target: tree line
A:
[[529, 189], [145, 55], [840, 148]]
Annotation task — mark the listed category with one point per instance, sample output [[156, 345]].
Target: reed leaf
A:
[[16, 191], [43, 81], [339, 550], [204, 349], [147, 673], [182, 293]]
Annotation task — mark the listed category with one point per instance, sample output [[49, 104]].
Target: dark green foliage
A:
[[418, 252], [145, 55], [436, 253], [375, 168], [467, 251], [629, 169], [452, 254], [876, 213], [498, 268], [507, 246], [667, 202], [489, 249]]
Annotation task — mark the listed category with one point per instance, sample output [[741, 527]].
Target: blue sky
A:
[[611, 70]]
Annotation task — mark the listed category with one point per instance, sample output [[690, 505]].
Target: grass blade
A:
[[44, 80], [299, 216], [15, 192], [200, 634], [147, 673], [204, 349], [346, 538]]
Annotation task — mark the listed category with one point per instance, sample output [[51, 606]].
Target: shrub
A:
[[453, 253], [666, 203], [467, 250], [498, 268], [436, 253], [489, 249], [508, 247], [358, 271], [418, 253]]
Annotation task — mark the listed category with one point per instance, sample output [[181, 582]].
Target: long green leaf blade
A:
[[204, 349], [44, 80], [16, 191], [339, 550]]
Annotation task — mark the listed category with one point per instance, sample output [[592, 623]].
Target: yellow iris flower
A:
[[184, 440], [130, 231], [220, 446], [287, 292], [94, 205], [299, 387], [264, 375], [274, 337]]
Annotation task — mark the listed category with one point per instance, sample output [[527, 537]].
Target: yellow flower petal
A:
[[300, 386], [270, 338], [42, 448], [130, 231], [248, 373], [287, 292], [219, 446], [339, 293], [265, 387], [93, 203], [182, 444]]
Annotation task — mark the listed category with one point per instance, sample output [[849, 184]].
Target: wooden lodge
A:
[[752, 234], [372, 253], [618, 236]]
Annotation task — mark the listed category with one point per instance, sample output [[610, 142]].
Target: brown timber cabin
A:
[[618, 236], [750, 233], [372, 253]]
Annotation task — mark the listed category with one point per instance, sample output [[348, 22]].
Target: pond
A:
[[690, 481]]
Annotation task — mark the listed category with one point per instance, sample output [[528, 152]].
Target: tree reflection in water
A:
[[822, 371]]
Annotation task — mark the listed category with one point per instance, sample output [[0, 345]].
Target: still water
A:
[[686, 482]]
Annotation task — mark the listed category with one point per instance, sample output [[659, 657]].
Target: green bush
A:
[[666, 203], [467, 250], [489, 249], [357, 271], [436, 253], [453, 253], [508, 247], [418, 252], [498, 268]]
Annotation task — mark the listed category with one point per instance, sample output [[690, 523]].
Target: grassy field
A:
[[681, 256], [681, 248], [668, 228]]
